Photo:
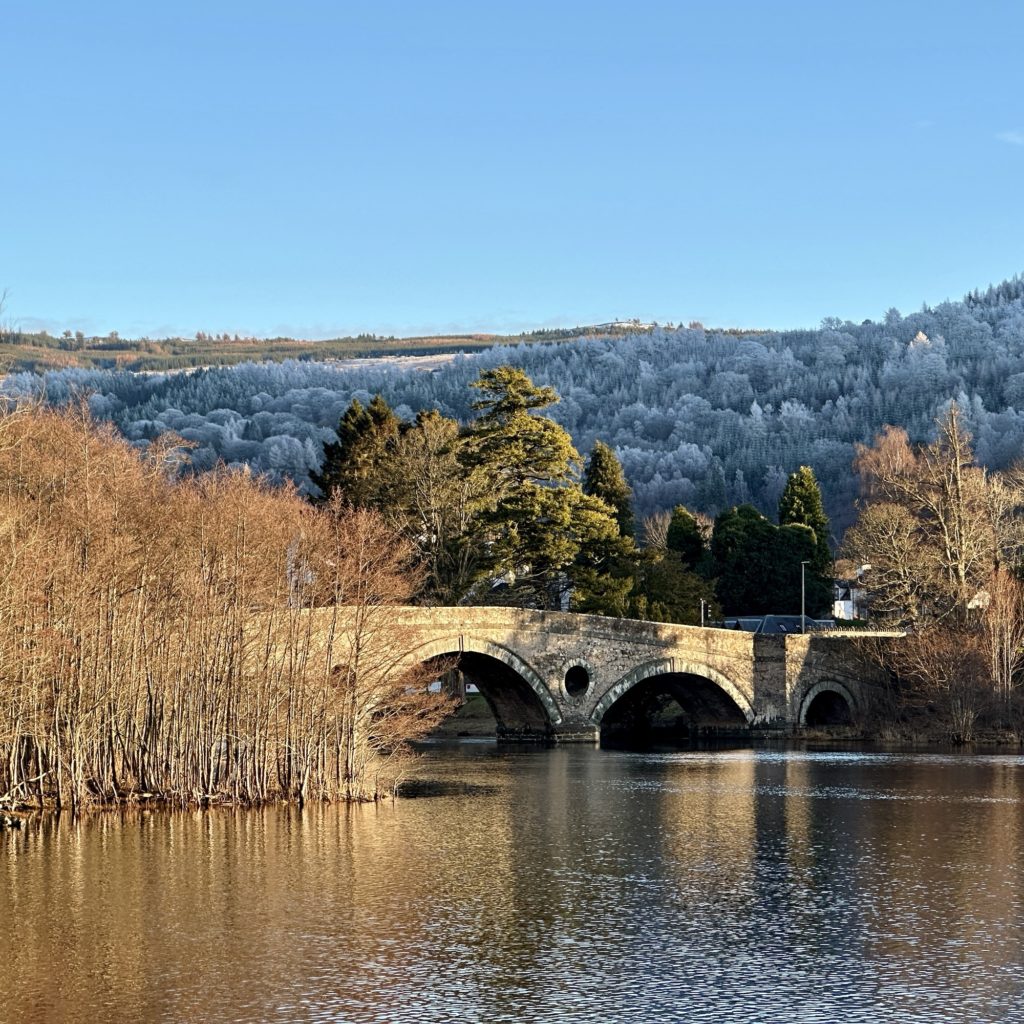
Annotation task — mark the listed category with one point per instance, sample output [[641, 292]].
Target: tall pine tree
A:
[[538, 523], [801, 505], [354, 464], [516, 446], [605, 479]]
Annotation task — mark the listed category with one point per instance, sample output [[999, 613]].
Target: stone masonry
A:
[[522, 661]]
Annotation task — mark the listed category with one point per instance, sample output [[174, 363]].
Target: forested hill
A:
[[38, 352], [697, 418]]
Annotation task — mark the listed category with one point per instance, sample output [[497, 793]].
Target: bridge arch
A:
[[824, 689], [670, 666], [461, 644]]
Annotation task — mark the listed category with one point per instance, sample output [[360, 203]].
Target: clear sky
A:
[[323, 168]]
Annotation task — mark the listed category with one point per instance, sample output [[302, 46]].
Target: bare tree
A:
[[937, 535], [216, 639], [933, 527], [944, 673], [1002, 618], [655, 529]]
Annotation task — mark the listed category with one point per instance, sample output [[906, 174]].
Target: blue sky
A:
[[325, 168]]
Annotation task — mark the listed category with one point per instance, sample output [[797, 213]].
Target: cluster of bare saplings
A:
[[190, 641]]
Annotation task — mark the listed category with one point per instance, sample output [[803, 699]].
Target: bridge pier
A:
[[562, 733], [582, 733]]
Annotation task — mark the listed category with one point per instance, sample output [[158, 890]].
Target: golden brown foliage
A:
[[940, 540], [933, 526], [192, 641]]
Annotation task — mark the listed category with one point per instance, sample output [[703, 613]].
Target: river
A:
[[564, 885]]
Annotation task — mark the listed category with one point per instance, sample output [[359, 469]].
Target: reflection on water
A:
[[572, 885]]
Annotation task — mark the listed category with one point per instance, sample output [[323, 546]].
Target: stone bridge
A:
[[569, 676]]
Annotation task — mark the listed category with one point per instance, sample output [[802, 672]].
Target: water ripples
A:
[[571, 885]]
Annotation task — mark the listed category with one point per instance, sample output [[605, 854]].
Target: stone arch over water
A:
[[707, 699], [518, 697], [828, 702]]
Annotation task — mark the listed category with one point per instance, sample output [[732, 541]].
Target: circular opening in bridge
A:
[[828, 708], [577, 679]]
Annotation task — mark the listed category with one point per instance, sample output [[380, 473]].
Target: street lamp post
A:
[[703, 605], [803, 596]]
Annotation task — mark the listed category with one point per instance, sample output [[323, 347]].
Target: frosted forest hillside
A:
[[697, 418]]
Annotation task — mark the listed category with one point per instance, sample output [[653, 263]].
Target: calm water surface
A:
[[570, 885]]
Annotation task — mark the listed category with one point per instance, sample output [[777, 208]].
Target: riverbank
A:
[[472, 719], [156, 641]]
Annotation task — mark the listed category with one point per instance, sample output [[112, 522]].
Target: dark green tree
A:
[[743, 551], [537, 525], [354, 464], [515, 446], [758, 565], [801, 505], [796, 543], [665, 591], [685, 538], [605, 479], [353, 424], [602, 572]]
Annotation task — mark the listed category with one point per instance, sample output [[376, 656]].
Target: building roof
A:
[[776, 624]]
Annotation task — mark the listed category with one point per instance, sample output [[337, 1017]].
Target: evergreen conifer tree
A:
[[743, 548], [353, 464], [538, 523], [801, 504], [605, 479], [758, 565], [516, 446], [665, 591], [684, 537], [795, 543]]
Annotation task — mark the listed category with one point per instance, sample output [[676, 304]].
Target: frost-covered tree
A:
[[699, 418]]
